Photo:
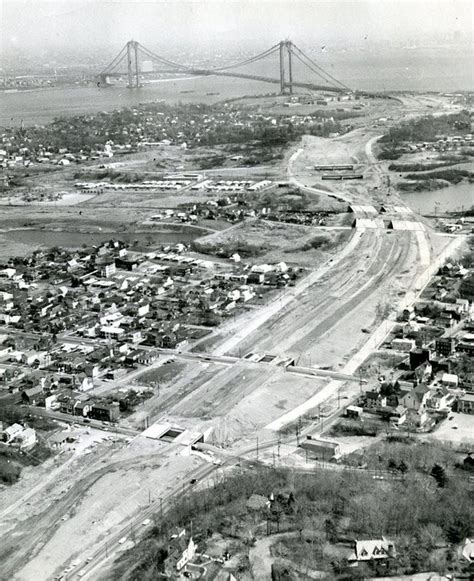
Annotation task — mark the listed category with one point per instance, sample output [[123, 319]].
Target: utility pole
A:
[[257, 447]]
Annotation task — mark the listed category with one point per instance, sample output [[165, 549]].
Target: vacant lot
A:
[[274, 242]]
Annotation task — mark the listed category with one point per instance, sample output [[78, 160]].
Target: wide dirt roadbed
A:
[[378, 269]]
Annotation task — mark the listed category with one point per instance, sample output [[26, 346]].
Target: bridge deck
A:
[[210, 72]]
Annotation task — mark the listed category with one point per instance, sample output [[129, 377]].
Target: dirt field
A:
[[274, 242], [243, 398], [180, 379], [106, 505]]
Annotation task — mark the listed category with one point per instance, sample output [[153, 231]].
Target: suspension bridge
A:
[[128, 61]]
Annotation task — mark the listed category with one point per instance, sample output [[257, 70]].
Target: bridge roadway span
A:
[[261, 78], [230, 360]]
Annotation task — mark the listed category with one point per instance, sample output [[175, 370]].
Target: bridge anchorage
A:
[[130, 61]]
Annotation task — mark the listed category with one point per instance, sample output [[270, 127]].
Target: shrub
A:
[[9, 471]]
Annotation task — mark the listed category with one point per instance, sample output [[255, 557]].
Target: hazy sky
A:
[[76, 23]]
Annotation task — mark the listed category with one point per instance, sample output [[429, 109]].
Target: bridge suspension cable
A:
[[115, 61], [162, 60], [250, 60], [316, 68], [315, 71], [172, 64]]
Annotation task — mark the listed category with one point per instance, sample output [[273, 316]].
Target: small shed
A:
[[354, 411]]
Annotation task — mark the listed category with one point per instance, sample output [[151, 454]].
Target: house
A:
[[374, 400], [321, 449], [104, 412], [417, 418], [423, 372], [446, 319], [27, 438], [110, 332], [415, 400], [256, 278], [29, 357], [408, 314], [465, 404], [398, 415], [404, 345], [466, 345], [50, 402], [372, 550], [12, 432], [169, 341], [82, 408], [83, 382], [33, 396], [61, 438], [463, 304], [439, 399], [141, 356], [132, 358], [108, 270], [66, 406], [115, 373], [181, 550]]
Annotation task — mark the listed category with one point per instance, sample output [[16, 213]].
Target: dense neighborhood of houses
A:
[[73, 318], [82, 138], [435, 342], [119, 305]]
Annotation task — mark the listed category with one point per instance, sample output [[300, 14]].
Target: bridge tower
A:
[[290, 65], [282, 67], [133, 67], [286, 53]]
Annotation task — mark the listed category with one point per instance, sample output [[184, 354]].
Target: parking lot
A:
[[458, 430]]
